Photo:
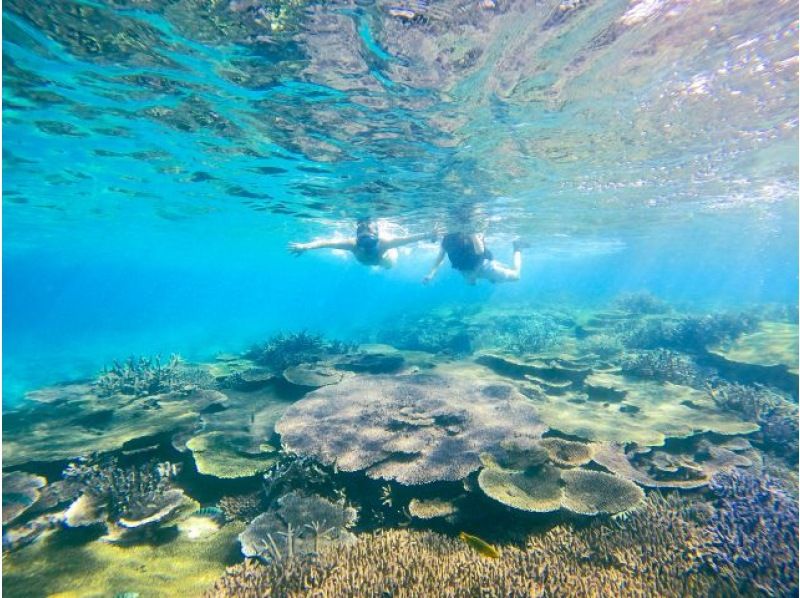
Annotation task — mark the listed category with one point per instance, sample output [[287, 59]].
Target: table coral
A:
[[413, 429]]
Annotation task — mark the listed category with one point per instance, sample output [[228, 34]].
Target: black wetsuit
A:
[[460, 248]]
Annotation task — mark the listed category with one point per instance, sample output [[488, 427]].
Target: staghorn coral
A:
[[776, 415], [148, 376], [286, 350], [521, 334], [292, 471], [655, 550], [133, 498], [754, 527], [413, 429]]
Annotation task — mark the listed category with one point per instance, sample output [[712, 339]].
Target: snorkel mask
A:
[[367, 234]]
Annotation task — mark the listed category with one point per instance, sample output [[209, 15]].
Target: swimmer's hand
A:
[[297, 248], [427, 279]]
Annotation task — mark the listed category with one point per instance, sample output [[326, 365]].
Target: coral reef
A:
[[665, 365], [20, 492], [770, 344], [292, 471], [592, 492], [301, 524], [180, 567], [603, 345], [242, 507], [217, 454], [459, 332], [148, 376], [641, 303], [311, 375], [535, 490], [26, 533], [84, 425], [685, 332], [524, 334], [644, 412], [688, 467], [286, 350], [566, 452], [547, 488], [134, 498], [413, 429], [775, 414], [754, 527], [431, 509], [654, 551]]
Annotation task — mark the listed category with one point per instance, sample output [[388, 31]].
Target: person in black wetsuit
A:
[[468, 254], [370, 246]]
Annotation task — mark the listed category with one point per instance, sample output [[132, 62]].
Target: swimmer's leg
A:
[[389, 258], [494, 271]]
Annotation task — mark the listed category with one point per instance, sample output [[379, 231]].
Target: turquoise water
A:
[[159, 156]]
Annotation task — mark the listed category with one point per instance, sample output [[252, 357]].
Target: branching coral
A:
[[641, 303], [148, 376], [665, 365], [301, 524], [687, 332], [132, 498], [655, 550], [286, 350], [755, 529], [776, 414]]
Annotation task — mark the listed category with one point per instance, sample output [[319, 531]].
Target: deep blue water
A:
[[156, 164]]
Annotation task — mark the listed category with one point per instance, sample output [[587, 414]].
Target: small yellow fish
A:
[[483, 548]]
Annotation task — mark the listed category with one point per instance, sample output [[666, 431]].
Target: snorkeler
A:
[[468, 254], [370, 247]]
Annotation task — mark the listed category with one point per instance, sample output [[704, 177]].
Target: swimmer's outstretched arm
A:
[[347, 244], [400, 241], [436, 265]]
